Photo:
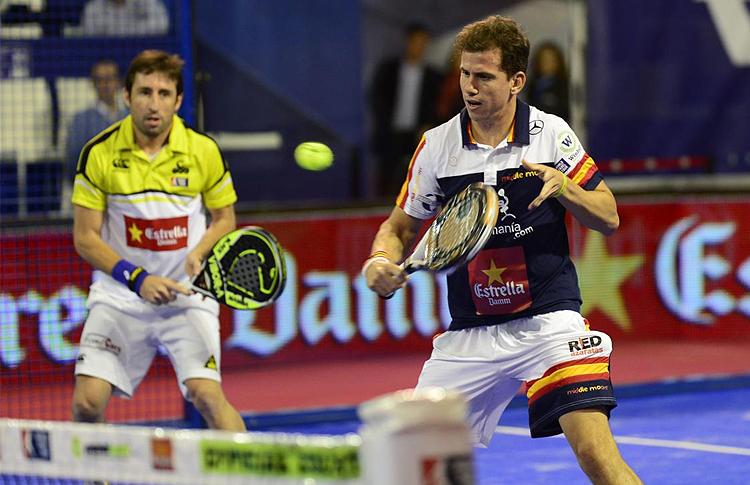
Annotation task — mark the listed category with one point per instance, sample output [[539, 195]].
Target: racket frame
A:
[[211, 280], [491, 208]]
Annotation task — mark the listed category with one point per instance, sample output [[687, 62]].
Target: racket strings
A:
[[457, 230]]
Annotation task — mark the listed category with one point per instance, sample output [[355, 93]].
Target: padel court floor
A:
[[689, 437]]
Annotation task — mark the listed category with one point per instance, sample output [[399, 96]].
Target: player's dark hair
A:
[[152, 60], [497, 32]]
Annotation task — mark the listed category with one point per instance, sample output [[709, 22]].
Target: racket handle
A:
[[408, 268]]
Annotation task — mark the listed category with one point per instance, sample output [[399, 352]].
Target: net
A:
[[408, 437], [53, 452]]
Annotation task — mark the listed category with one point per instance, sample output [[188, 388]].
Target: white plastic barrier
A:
[[416, 438]]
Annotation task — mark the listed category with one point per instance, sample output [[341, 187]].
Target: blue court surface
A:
[[700, 437]]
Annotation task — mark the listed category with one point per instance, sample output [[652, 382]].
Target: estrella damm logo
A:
[[157, 234], [499, 282]]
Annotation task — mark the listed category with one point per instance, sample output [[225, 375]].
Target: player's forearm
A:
[[92, 248], [595, 209], [392, 241], [221, 223]]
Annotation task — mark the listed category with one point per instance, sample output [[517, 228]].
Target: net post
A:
[[416, 436]]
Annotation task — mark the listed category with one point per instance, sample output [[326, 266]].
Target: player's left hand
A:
[[553, 180], [193, 264]]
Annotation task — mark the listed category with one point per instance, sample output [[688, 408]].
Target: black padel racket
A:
[[245, 269]]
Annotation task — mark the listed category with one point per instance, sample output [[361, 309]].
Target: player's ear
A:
[[518, 81], [126, 97], [178, 103]]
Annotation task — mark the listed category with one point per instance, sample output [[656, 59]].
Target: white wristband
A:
[[372, 260]]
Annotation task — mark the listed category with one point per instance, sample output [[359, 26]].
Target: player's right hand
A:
[[159, 290], [384, 277]]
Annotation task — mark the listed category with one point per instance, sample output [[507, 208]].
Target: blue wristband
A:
[[136, 280], [122, 271], [129, 275]]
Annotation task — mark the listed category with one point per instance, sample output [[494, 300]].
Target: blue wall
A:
[[661, 83], [305, 51], [291, 67]]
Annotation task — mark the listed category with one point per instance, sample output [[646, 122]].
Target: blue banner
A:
[[670, 78]]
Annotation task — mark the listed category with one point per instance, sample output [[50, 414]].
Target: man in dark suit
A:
[[402, 101]]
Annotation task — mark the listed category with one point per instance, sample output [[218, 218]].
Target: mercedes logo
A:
[[536, 127]]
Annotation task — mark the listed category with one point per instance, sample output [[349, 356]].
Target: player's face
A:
[[106, 82], [153, 100], [487, 90]]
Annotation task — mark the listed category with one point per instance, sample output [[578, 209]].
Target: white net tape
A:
[[407, 438]]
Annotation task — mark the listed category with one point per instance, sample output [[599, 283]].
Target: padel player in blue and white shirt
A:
[[515, 308]]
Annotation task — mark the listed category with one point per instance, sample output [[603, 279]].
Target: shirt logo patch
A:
[[562, 165], [179, 182], [157, 234], [499, 283], [567, 142], [180, 168], [536, 127]]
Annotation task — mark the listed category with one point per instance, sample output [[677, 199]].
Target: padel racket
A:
[[458, 232], [245, 269]]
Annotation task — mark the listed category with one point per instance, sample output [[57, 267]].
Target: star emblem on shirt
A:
[[494, 274], [135, 233]]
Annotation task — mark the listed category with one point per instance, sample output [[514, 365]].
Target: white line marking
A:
[[631, 440]]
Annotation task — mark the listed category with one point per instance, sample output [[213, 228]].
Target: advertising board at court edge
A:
[[672, 270]]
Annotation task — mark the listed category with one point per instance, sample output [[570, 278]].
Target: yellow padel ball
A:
[[312, 155]]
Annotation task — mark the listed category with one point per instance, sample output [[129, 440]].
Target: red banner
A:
[[674, 270]]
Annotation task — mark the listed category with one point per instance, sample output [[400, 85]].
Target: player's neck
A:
[[492, 131], [151, 145]]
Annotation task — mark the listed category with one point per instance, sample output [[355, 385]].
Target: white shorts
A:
[[563, 364], [119, 343]]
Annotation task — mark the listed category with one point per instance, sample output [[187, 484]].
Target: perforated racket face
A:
[[461, 227], [245, 270], [254, 267]]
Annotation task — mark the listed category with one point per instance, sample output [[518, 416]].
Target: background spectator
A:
[[402, 101], [548, 81], [450, 101], [109, 107], [124, 17]]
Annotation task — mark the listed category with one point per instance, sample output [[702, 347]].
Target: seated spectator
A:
[[118, 18], [109, 107], [547, 87]]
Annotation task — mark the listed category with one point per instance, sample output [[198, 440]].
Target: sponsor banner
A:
[[447, 470], [674, 269], [70, 452], [293, 460]]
